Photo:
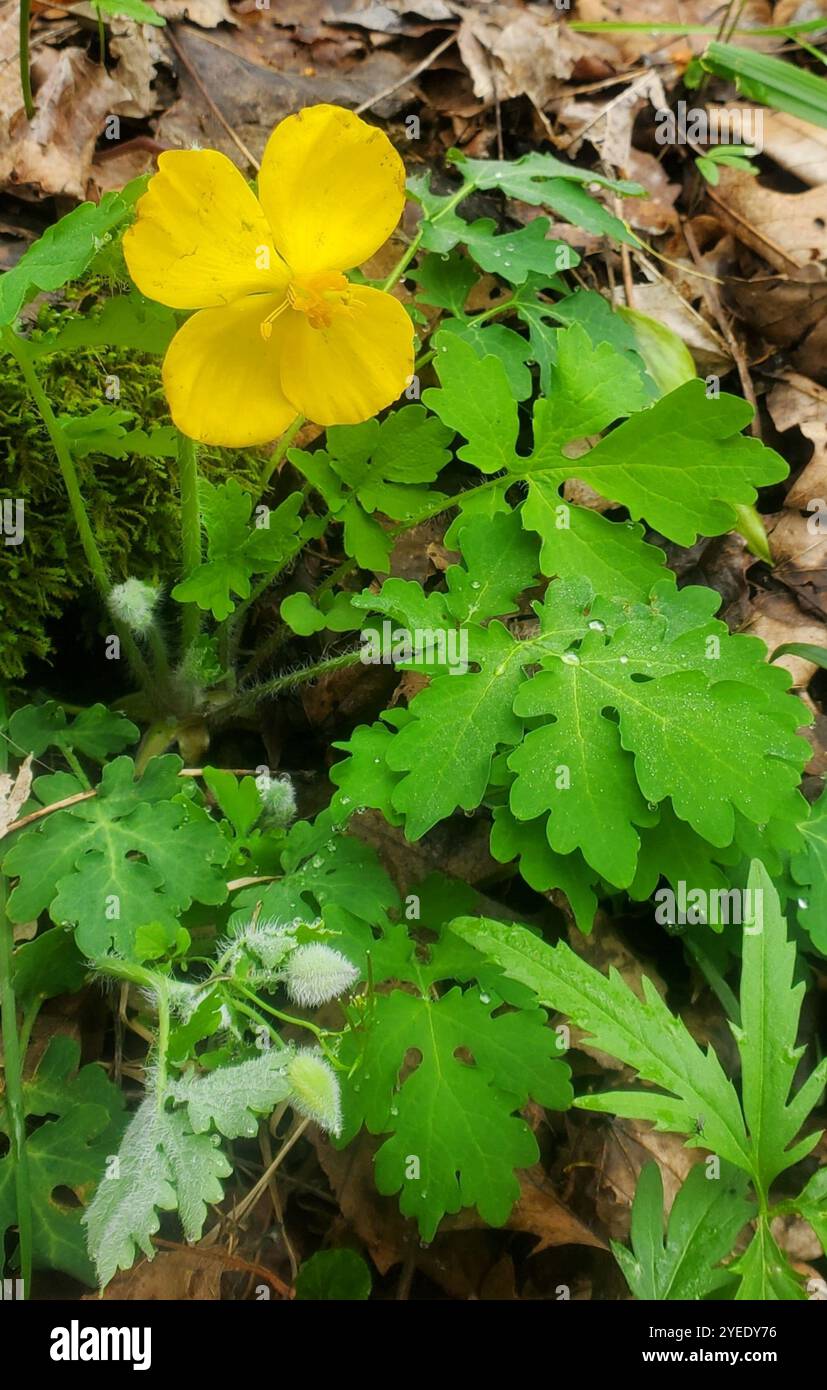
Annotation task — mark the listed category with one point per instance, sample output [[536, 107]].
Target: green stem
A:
[[190, 532], [13, 1074], [265, 689], [278, 453], [162, 995], [18, 350], [408, 255], [318, 1033], [25, 73], [257, 1018], [75, 764]]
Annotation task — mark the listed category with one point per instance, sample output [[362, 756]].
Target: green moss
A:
[[132, 502]]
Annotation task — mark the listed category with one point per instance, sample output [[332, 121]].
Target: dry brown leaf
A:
[[14, 792], [799, 547], [207, 14], [52, 154], [540, 1212], [139, 48], [656, 214], [391, 1238], [613, 1152], [802, 404], [253, 97], [786, 229], [512, 53], [662, 302], [796, 1238], [173, 1275], [777, 618], [797, 146]]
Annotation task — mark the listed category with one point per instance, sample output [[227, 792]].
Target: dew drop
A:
[[597, 626], [624, 661], [345, 800], [475, 584], [507, 263], [377, 760], [802, 902], [653, 805], [498, 254], [485, 998], [317, 862], [570, 658]]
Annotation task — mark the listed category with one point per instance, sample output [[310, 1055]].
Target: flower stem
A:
[[13, 1075], [18, 350], [408, 255], [278, 453], [13, 1071], [25, 73], [190, 532]]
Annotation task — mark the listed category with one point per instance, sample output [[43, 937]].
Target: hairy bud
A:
[[278, 799], [133, 603], [315, 1090], [316, 973]]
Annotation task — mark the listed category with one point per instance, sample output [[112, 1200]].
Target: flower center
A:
[[320, 297]]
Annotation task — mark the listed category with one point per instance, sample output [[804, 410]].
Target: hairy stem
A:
[[162, 995], [190, 532], [13, 1071], [247, 699], [13, 1075]]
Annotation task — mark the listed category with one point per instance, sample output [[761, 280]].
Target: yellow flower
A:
[[280, 330]]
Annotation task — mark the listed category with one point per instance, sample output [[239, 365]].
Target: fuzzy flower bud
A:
[[315, 1090], [278, 799], [133, 603], [316, 973]]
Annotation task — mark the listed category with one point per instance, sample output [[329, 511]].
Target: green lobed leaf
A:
[[162, 1166], [696, 1098], [96, 732], [127, 857], [231, 1099], [476, 1061], [238, 546], [66, 249], [81, 1114], [770, 1010], [706, 1217], [333, 1276], [641, 1032]]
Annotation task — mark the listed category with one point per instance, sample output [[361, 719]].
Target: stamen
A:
[[266, 326]]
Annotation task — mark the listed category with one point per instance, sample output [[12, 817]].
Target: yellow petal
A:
[[221, 374], [333, 189], [346, 372], [200, 238]]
